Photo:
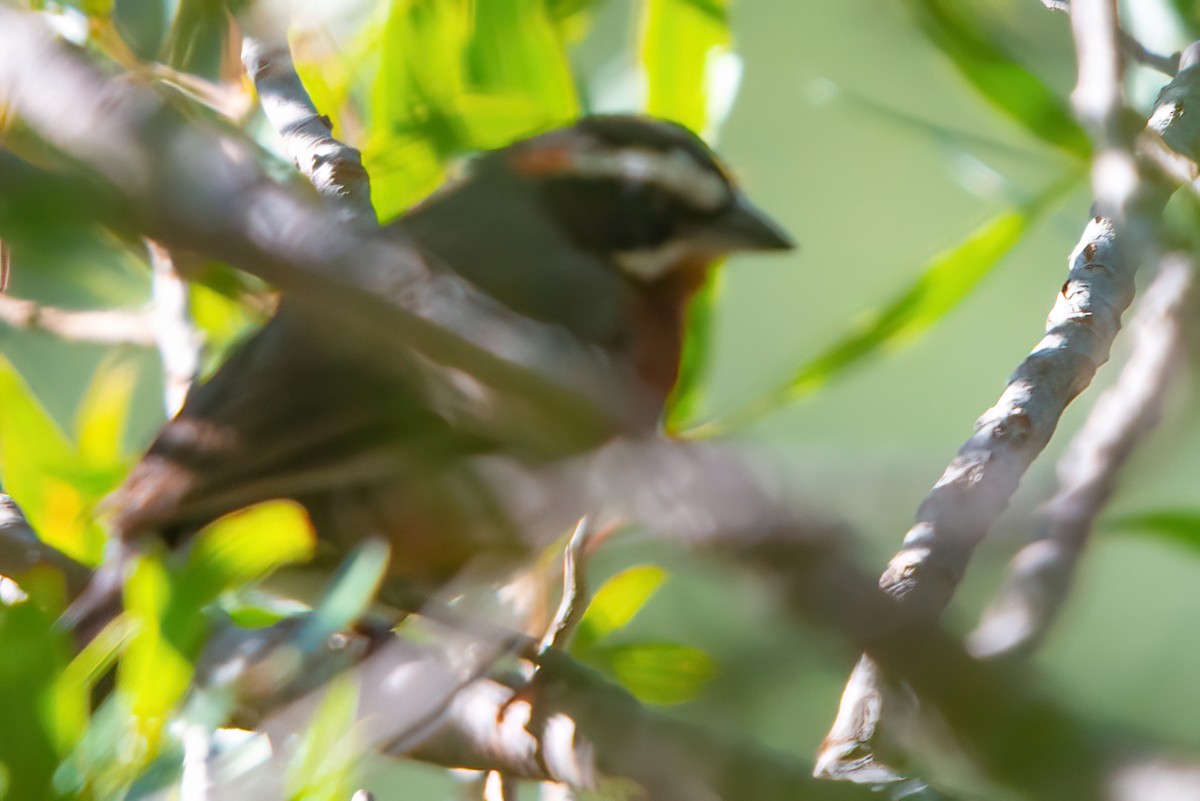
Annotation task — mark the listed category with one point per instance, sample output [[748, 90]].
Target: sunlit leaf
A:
[[102, 414], [657, 672], [166, 606], [617, 602], [247, 545], [156, 667], [34, 653], [32, 446], [690, 71], [325, 763], [953, 27], [1180, 526], [943, 284], [456, 77]]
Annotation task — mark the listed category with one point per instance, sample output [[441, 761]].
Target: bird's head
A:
[[645, 194]]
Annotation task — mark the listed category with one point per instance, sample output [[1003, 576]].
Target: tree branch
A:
[[98, 327], [335, 169], [1040, 575], [1085, 319]]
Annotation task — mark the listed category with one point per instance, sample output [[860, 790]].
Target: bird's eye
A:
[[648, 216], [608, 215]]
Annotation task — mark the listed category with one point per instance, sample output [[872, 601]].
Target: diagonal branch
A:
[[1085, 319], [1040, 575], [334, 168]]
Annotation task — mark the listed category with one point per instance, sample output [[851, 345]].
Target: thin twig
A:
[[574, 592], [1040, 575], [97, 327]]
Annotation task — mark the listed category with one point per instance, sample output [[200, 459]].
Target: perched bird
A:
[[605, 228]]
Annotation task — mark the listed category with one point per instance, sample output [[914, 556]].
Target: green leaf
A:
[[686, 55], [103, 412], [657, 672], [455, 77], [963, 38], [34, 654], [946, 281], [349, 594], [166, 605], [616, 603], [1181, 526], [34, 454], [325, 764], [156, 668], [244, 546]]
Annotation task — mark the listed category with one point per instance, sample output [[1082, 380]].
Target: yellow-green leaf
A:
[[688, 63], [657, 672], [102, 414], [617, 602]]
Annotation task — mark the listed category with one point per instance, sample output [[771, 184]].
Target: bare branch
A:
[[334, 169], [574, 592], [98, 327], [1086, 317], [1040, 575]]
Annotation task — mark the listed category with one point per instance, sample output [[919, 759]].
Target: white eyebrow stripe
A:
[[675, 171]]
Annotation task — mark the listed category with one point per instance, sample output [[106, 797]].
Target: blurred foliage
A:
[[418, 85], [946, 281], [655, 672], [60, 479]]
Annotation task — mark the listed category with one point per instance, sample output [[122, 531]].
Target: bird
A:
[[605, 228]]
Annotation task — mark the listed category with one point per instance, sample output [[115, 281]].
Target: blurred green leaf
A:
[[617, 602], [34, 453], [246, 545], [1180, 526], [458, 76], [166, 606], [223, 320], [657, 672], [953, 27], [34, 654], [57, 482], [325, 764], [156, 667], [350, 592], [688, 62], [101, 417], [945, 282]]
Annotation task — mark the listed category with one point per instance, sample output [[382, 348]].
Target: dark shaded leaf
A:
[[953, 27]]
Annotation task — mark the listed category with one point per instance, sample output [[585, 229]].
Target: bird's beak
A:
[[743, 226]]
